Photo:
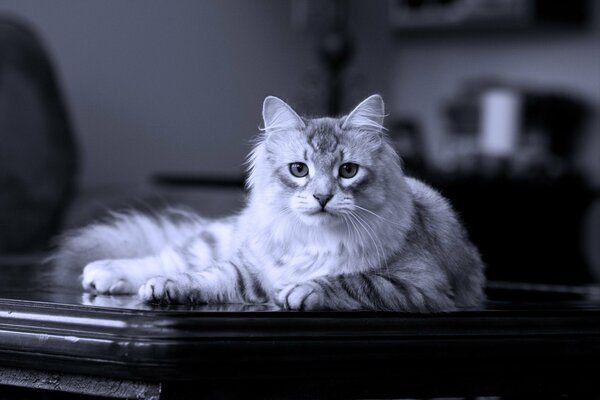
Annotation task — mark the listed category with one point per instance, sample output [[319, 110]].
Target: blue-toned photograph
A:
[[299, 199]]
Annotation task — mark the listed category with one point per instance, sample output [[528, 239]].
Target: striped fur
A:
[[382, 242]]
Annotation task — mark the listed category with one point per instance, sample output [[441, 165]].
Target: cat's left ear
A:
[[368, 114], [278, 115]]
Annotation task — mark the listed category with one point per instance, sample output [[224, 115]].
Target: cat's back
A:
[[437, 226], [432, 212]]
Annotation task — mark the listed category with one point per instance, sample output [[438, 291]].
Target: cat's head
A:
[[322, 170]]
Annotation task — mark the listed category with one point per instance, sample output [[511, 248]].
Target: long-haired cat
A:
[[331, 222]]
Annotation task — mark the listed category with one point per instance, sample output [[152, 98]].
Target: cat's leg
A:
[[125, 276], [223, 282], [409, 289], [211, 242]]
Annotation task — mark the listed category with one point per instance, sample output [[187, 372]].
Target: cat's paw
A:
[[161, 289], [107, 277], [302, 296]]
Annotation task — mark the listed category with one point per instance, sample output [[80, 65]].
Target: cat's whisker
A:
[[376, 243], [283, 212], [375, 214], [346, 222], [358, 209], [359, 237], [365, 255], [362, 224]]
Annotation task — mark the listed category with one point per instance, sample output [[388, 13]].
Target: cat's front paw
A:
[[166, 290], [302, 296], [107, 277]]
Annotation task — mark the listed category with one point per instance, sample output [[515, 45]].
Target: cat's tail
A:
[[122, 235]]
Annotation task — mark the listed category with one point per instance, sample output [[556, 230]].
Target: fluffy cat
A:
[[331, 223]]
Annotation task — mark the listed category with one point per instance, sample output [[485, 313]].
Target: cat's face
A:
[[326, 171]]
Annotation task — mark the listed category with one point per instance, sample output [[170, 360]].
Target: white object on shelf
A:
[[500, 121]]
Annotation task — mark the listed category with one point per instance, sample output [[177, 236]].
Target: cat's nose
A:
[[323, 199]]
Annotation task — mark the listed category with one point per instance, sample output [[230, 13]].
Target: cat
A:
[[331, 223]]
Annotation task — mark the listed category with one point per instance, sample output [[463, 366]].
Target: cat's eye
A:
[[348, 170], [299, 169]]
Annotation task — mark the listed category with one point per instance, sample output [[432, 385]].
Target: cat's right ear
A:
[[368, 114], [278, 116]]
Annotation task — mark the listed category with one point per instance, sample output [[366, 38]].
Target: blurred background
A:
[[496, 103]]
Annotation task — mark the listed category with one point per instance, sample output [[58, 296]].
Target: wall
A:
[[157, 86]]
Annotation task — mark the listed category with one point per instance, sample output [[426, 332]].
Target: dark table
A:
[[119, 347]]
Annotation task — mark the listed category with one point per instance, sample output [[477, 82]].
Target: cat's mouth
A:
[[318, 216], [322, 216], [320, 212]]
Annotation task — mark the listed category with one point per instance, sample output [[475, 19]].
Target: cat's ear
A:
[[277, 115], [368, 114]]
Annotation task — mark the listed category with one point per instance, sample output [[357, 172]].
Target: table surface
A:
[[550, 339]]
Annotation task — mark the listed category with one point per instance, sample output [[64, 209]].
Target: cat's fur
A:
[[382, 242]]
